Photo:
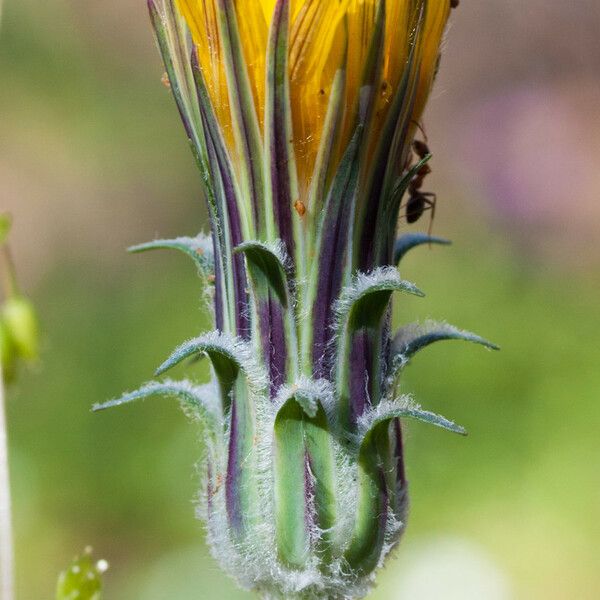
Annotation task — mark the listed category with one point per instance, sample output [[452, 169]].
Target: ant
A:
[[418, 202]]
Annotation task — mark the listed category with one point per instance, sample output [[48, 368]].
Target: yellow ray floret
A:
[[325, 36], [437, 12]]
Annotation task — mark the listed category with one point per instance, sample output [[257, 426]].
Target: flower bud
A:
[[21, 325], [82, 579], [302, 115]]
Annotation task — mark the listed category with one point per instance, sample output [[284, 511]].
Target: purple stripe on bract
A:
[[232, 481], [235, 96], [279, 143], [218, 298], [399, 454], [219, 158], [271, 319], [242, 311], [335, 235], [361, 366], [393, 140], [401, 492], [242, 314], [333, 251]]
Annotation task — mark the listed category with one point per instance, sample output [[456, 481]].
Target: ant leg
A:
[[431, 200]]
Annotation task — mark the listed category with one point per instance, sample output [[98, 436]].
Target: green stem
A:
[[6, 541]]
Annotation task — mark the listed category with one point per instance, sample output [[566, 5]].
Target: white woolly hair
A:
[[382, 411], [363, 283], [412, 331], [320, 391], [204, 242], [277, 247]]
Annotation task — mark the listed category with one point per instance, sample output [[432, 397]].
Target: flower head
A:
[[301, 115]]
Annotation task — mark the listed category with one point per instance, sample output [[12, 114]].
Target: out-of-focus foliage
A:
[[19, 333], [81, 170], [20, 323], [5, 224]]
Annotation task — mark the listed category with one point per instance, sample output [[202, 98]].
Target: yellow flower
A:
[[325, 37]]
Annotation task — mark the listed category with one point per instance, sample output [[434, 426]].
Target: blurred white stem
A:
[[6, 546]]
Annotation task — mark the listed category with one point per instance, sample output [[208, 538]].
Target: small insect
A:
[[166, 81], [418, 202], [454, 3]]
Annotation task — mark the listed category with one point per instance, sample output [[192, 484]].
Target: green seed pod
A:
[[21, 324]]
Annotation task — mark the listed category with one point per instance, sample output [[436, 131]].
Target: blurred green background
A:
[[93, 159]]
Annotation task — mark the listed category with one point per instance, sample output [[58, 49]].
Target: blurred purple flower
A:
[[535, 149]]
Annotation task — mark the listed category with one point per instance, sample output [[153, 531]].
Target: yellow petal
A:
[[253, 19], [325, 35], [437, 12], [362, 20], [317, 48], [362, 15], [201, 18], [268, 7]]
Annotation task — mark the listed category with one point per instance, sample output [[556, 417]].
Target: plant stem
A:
[[6, 542]]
